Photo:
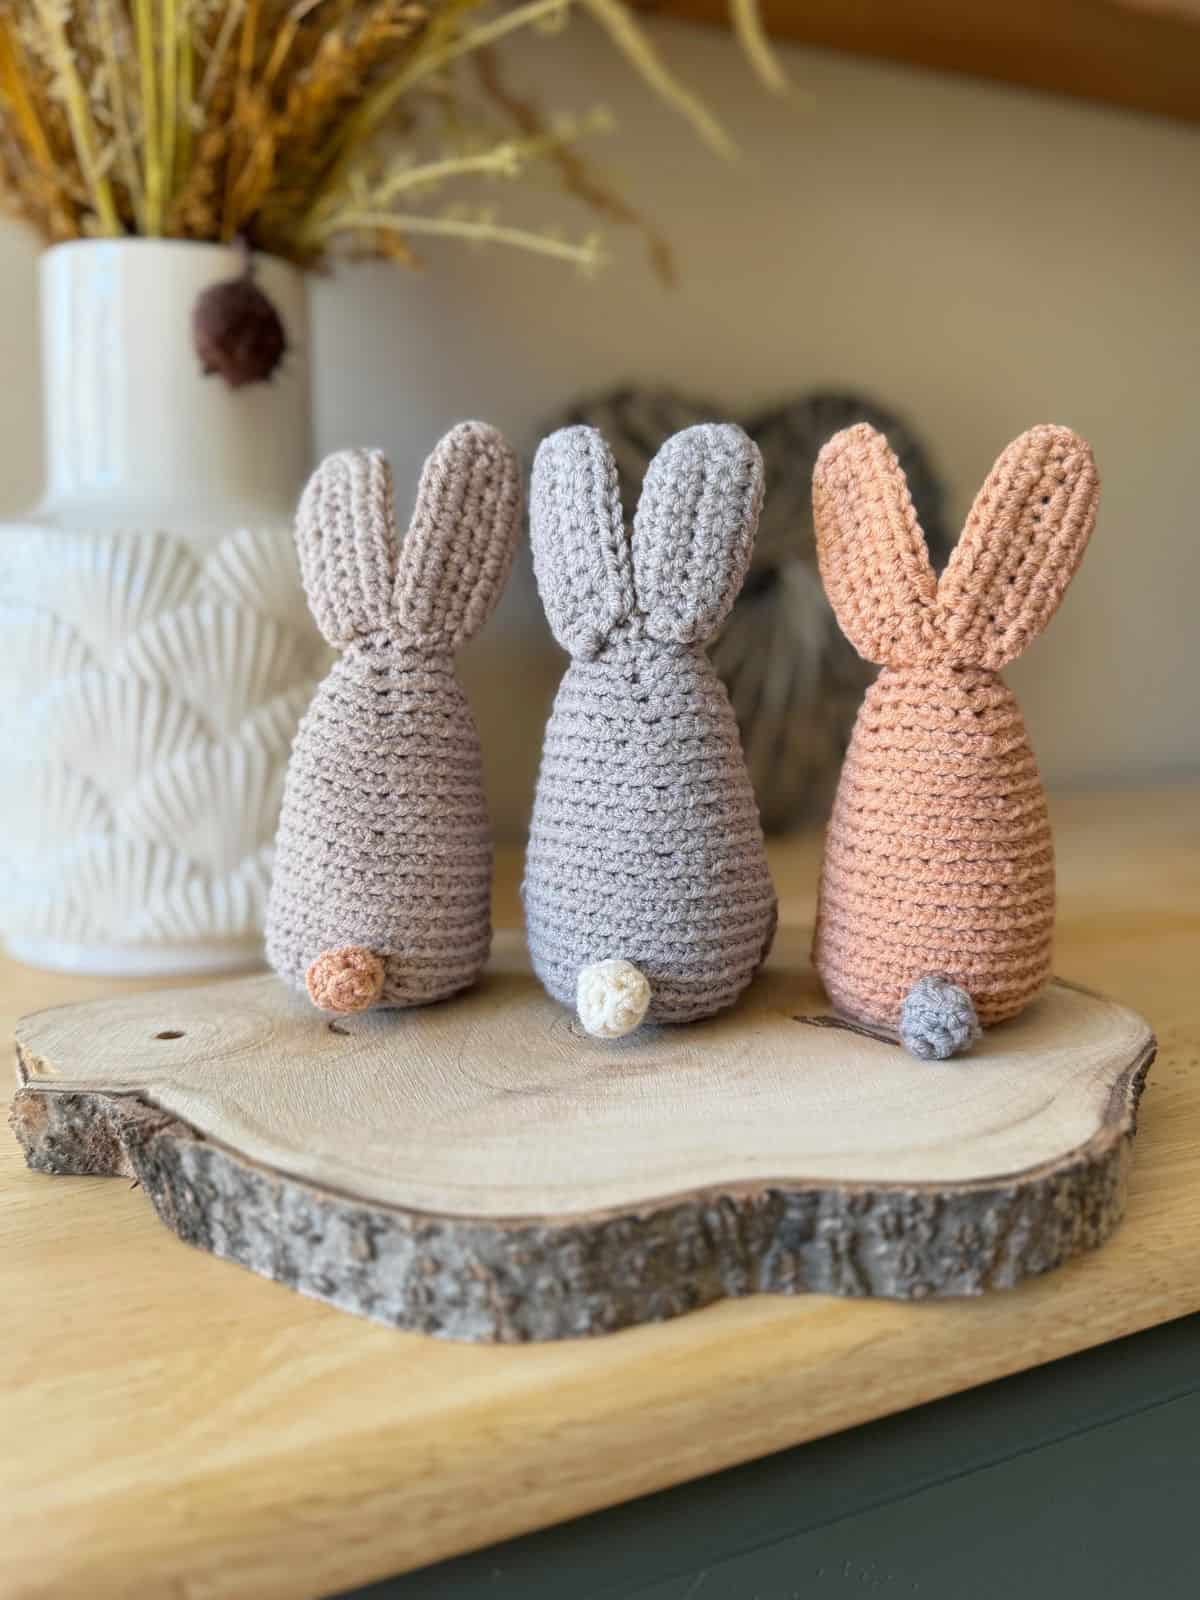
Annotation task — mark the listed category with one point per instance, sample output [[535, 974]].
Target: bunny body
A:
[[645, 848], [372, 749], [939, 858], [381, 887]]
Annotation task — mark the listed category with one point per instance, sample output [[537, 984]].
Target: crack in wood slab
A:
[[832, 1020]]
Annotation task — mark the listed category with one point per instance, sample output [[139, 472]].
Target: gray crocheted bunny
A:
[[647, 893], [383, 860]]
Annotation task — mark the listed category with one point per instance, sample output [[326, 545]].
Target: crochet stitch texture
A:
[[645, 845], [382, 878], [939, 858]]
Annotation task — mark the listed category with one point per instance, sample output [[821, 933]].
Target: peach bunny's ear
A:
[[871, 551], [694, 530], [346, 541], [580, 551], [455, 559], [1025, 537]]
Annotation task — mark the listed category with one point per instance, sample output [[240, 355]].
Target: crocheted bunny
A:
[[936, 907], [383, 860], [646, 887]]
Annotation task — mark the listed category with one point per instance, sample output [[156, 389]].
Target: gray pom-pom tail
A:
[[937, 1019]]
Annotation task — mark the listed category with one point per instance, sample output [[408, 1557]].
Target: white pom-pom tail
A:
[[612, 998]]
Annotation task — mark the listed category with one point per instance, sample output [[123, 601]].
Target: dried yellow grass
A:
[[304, 128], [33, 182]]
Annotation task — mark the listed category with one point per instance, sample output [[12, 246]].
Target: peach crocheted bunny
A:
[[383, 861], [936, 907]]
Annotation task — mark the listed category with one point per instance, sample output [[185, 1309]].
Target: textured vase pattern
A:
[[149, 693]]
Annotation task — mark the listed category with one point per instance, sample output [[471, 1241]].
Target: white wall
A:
[[979, 257]]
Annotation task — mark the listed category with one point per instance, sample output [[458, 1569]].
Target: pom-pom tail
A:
[[938, 1019], [612, 998], [346, 980]]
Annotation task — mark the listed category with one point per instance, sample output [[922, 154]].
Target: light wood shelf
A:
[[177, 1425]]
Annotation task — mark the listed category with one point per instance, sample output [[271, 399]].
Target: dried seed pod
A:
[[237, 332]]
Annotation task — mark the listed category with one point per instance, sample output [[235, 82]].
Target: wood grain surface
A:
[[186, 1428]]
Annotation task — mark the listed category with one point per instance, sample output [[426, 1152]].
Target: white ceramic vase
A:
[[158, 651]]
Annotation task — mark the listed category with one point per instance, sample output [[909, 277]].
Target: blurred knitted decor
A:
[[794, 681]]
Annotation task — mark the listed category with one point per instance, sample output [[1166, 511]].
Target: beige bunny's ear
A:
[[871, 551], [455, 559], [346, 540], [1023, 540]]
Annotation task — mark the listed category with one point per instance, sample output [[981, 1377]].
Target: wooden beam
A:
[[1140, 54]]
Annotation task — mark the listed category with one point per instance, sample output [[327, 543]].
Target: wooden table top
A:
[[173, 1424]]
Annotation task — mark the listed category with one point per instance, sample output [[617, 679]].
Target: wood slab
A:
[[483, 1170]]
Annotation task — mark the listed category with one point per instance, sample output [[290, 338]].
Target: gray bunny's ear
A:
[[346, 541], [456, 557], [694, 530], [580, 549]]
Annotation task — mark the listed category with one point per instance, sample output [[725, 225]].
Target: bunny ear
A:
[[694, 530], [455, 559], [346, 541], [1023, 540], [871, 550], [580, 550]]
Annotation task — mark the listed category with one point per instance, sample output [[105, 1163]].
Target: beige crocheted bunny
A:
[[646, 889], [382, 877], [936, 909]]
